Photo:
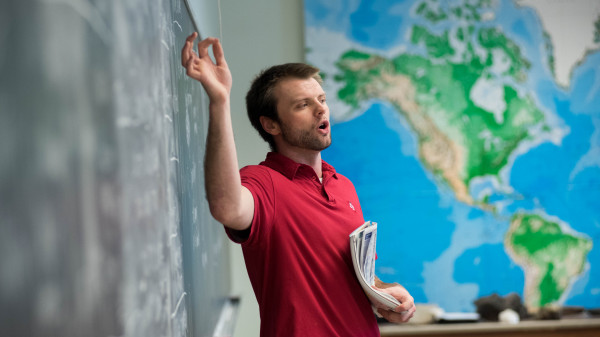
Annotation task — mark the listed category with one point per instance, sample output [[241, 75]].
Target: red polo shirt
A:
[[297, 253]]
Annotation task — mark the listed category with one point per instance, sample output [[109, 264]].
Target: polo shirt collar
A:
[[289, 168]]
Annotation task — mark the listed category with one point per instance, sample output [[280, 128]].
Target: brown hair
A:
[[260, 99]]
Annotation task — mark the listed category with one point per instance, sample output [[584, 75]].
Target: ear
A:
[[269, 125]]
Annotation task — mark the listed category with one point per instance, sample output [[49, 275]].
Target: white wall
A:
[[256, 34]]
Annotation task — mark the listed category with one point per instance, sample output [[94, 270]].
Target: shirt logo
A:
[[351, 206]]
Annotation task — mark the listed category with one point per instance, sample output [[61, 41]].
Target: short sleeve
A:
[[258, 180]]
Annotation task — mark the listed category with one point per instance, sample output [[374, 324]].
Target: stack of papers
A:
[[362, 248]]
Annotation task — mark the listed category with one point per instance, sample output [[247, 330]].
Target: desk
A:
[[581, 327]]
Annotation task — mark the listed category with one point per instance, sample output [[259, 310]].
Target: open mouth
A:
[[324, 125]]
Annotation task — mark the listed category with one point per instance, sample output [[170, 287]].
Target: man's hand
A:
[[214, 76], [402, 313]]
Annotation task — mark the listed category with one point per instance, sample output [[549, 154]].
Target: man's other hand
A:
[[402, 313]]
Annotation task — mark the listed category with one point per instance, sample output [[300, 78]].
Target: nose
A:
[[320, 108]]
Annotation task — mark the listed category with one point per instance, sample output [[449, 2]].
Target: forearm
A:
[[221, 170]]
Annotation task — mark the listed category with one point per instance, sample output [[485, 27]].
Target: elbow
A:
[[233, 211], [225, 215], [219, 213]]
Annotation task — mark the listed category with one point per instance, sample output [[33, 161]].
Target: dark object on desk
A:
[[489, 307], [545, 313], [572, 311], [594, 312]]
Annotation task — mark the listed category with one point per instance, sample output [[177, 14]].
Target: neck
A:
[[307, 157]]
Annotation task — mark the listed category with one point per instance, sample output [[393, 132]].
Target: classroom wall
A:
[[256, 34]]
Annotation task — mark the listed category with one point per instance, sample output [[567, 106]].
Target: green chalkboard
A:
[[104, 227]]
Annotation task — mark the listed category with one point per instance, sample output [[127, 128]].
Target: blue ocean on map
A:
[[441, 249]]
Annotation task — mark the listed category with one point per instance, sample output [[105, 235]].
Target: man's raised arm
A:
[[230, 203]]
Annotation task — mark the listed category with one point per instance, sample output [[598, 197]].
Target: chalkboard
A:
[[104, 228]]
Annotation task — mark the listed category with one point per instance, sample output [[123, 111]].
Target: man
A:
[[293, 213]]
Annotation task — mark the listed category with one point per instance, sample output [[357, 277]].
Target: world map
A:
[[471, 131]]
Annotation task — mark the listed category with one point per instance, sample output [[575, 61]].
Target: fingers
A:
[[187, 51], [407, 302], [397, 317], [201, 66], [204, 44], [401, 294], [405, 310], [191, 68], [218, 53]]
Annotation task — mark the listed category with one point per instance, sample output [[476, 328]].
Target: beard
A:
[[305, 139]]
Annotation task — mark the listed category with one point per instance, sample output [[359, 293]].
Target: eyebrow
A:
[[307, 98]]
